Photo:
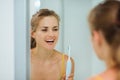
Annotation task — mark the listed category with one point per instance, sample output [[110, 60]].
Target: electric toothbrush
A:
[[69, 64]]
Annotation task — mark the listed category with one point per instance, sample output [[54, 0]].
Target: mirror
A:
[[74, 28]]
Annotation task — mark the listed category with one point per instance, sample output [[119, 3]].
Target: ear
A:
[[96, 37], [32, 34]]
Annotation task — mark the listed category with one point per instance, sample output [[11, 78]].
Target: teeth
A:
[[50, 40]]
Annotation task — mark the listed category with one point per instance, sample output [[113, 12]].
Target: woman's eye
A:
[[55, 29], [44, 30]]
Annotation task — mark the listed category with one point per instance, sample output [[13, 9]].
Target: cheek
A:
[[39, 36], [97, 51], [95, 47], [57, 35], [93, 42]]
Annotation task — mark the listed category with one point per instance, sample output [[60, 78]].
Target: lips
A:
[[50, 41]]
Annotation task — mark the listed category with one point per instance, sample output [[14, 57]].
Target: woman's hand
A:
[[70, 77]]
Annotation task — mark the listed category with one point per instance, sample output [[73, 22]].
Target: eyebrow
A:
[[56, 27], [52, 27], [44, 27]]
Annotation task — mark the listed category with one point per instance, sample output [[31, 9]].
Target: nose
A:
[[51, 33]]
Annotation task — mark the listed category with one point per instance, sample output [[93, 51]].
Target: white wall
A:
[[76, 30], [22, 48], [7, 40]]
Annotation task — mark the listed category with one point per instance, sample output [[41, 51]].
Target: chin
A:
[[49, 48]]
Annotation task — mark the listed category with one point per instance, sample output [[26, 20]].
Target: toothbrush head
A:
[[69, 51]]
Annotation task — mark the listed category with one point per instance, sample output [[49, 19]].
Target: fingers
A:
[[70, 77]]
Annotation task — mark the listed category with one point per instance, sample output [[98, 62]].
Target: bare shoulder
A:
[[96, 77], [66, 58], [91, 78], [60, 54]]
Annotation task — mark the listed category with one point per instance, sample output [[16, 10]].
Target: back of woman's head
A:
[[105, 17]]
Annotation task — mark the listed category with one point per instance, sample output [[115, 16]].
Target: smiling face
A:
[[47, 32]]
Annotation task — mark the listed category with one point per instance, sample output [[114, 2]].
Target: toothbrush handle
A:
[[68, 69]]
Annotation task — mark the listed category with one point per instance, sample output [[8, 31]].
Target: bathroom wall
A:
[[7, 40]]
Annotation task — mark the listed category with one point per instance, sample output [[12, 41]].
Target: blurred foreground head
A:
[[105, 19]]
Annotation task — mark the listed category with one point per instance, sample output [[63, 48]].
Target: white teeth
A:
[[50, 40]]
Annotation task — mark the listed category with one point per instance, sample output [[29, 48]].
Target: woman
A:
[[46, 62], [104, 22]]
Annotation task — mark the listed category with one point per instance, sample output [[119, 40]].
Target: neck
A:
[[42, 53]]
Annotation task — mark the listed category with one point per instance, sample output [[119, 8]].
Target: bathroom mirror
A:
[[74, 28]]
